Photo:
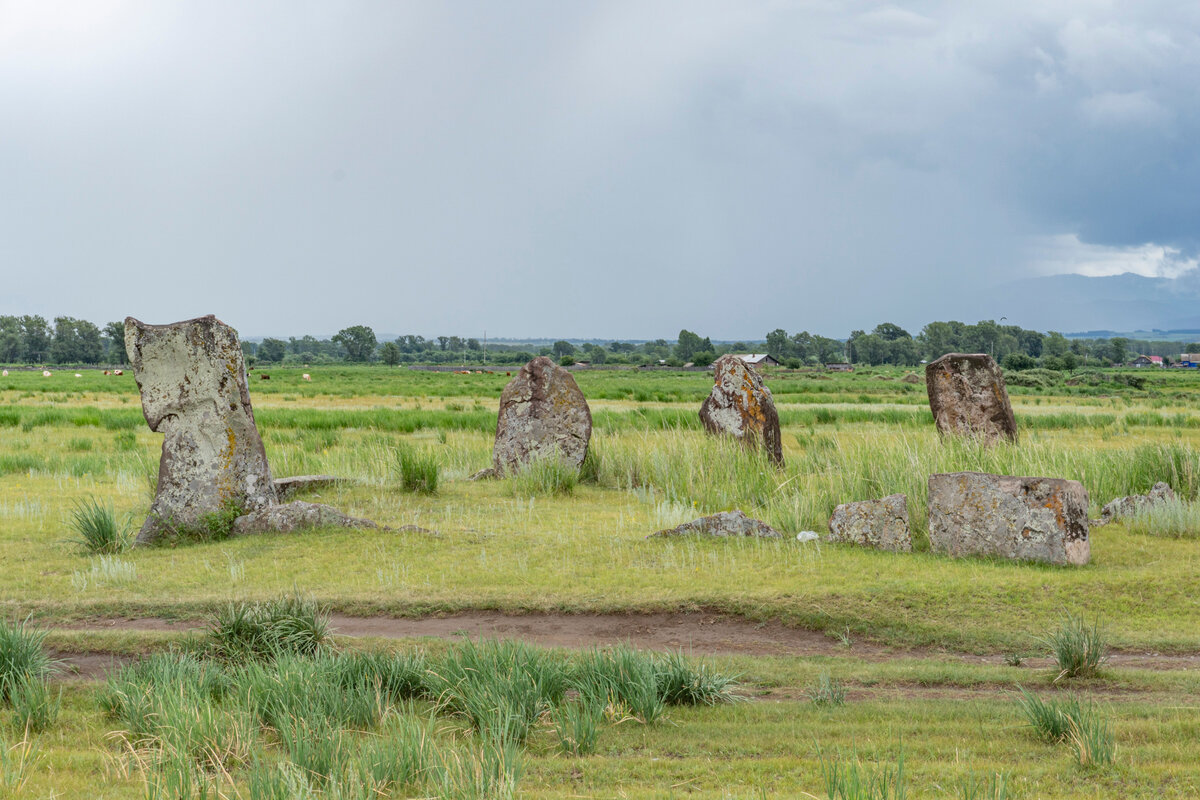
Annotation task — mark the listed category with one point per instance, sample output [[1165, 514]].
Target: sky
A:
[[579, 169]]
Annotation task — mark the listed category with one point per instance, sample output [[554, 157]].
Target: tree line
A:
[[30, 339]]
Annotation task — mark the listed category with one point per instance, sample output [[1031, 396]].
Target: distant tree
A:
[[456, 344], [443, 341], [778, 344], [1018, 361], [688, 345], [272, 350], [562, 348], [249, 349], [1055, 344], [114, 333], [473, 345], [598, 355], [12, 343], [358, 341], [890, 332], [1117, 349], [35, 335], [390, 354], [76, 341]]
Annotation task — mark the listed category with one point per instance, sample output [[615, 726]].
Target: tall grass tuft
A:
[[1050, 719], [848, 779], [35, 709], [827, 692], [1078, 648], [682, 683], [16, 764], [544, 476], [418, 470], [1092, 738], [22, 656], [622, 678], [97, 529], [1175, 519], [991, 787], [256, 631]]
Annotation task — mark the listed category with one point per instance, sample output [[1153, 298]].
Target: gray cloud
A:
[[608, 169]]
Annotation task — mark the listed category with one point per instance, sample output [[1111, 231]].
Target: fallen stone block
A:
[[881, 524], [723, 524]]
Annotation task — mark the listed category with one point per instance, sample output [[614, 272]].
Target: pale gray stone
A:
[[882, 524], [486, 474], [740, 405], [286, 487], [968, 398], [1124, 507], [193, 386], [1028, 519], [542, 415], [295, 516], [723, 524]]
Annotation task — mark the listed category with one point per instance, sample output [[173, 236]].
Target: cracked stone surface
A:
[[741, 406], [881, 524], [968, 398], [543, 414], [193, 386], [724, 524]]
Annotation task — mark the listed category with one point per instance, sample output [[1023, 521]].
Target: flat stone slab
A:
[[881, 524], [1025, 519], [285, 487], [724, 524], [1128, 506], [295, 516]]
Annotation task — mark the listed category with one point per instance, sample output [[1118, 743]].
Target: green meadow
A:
[[914, 693]]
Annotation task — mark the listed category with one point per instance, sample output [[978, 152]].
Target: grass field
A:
[[932, 694]]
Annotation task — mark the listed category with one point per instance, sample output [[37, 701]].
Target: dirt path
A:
[[694, 633]]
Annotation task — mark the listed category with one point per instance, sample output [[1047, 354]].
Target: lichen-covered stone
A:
[[295, 516], [286, 487], [542, 415], [193, 386], [882, 524], [968, 398], [1027, 519], [1123, 507], [741, 406], [724, 524]]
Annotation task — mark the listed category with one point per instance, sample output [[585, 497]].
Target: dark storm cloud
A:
[[609, 169]]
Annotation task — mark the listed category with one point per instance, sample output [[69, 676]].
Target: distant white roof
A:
[[754, 358]]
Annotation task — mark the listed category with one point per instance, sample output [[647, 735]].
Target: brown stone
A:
[[1027, 519], [882, 524], [193, 386], [741, 406], [968, 398], [542, 415]]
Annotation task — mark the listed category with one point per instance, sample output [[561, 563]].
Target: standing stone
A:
[[1028, 519], [968, 398], [740, 405], [542, 415], [882, 524], [193, 384]]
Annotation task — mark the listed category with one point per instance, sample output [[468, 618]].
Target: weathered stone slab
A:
[[1124, 507], [1027, 519], [741, 406], [724, 524], [286, 487], [882, 524], [295, 516], [193, 386], [968, 398], [542, 415]]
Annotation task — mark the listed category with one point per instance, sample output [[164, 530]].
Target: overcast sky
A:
[[588, 169]]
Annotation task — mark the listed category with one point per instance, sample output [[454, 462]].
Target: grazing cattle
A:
[[106, 372], [264, 377], [306, 376], [78, 375], [118, 372], [45, 373], [5, 373]]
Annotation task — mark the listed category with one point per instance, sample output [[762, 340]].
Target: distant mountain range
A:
[[1119, 305]]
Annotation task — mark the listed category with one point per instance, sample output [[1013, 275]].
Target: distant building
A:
[[840, 366], [1189, 360], [759, 360], [1147, 361]]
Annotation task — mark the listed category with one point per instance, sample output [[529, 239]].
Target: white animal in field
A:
[[78, 374], [5, 374], [118, 372], [45, 373], [306, 376]]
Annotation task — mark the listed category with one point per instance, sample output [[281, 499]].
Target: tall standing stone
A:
[[193, 384], [542, 415], [741, 406], [1027, 519], [968, 398]]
